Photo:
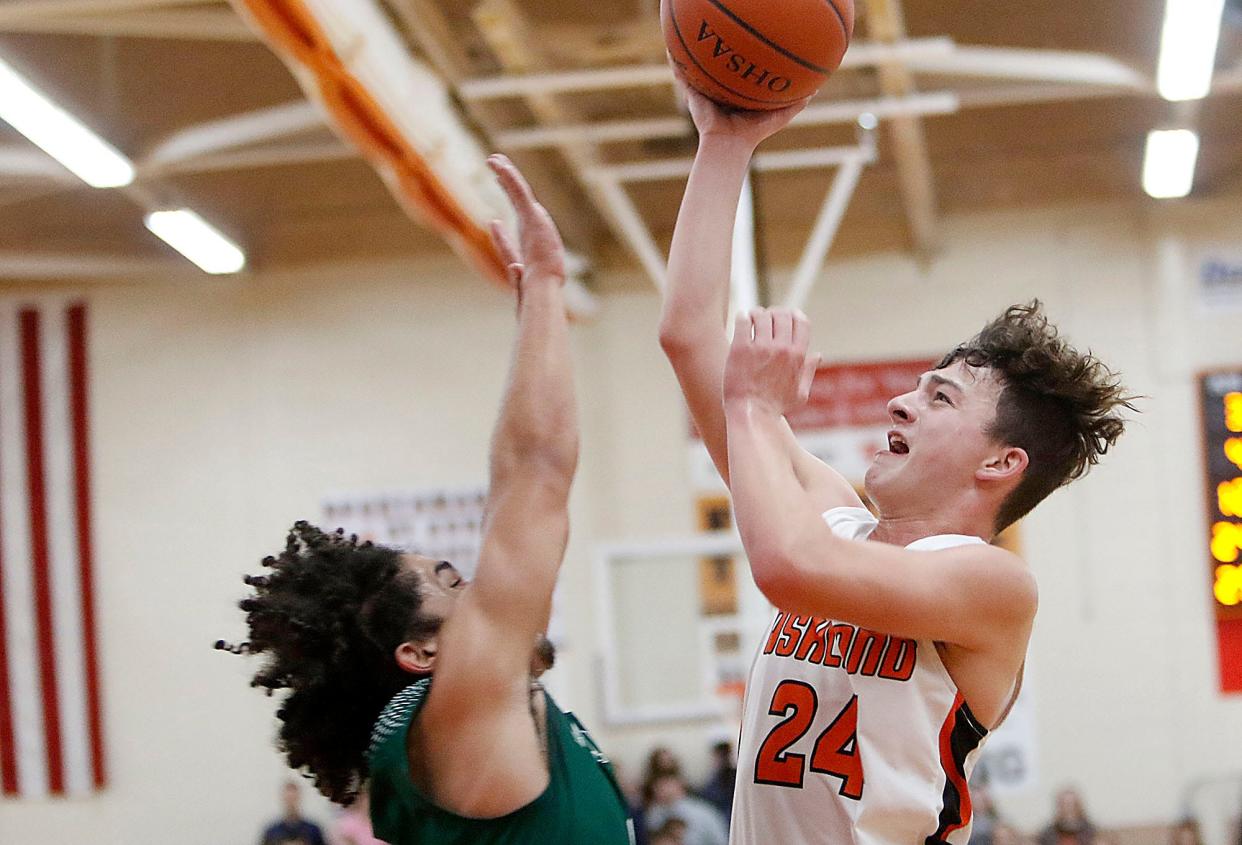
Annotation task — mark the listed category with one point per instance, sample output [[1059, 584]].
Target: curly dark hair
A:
[[329, 618], [1062, 406]]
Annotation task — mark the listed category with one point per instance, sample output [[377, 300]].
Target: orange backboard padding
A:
[[294, 33]]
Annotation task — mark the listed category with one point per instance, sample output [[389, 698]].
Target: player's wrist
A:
[[747, 407], [727, 144]]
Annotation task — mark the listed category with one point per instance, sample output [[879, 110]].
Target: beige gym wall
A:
[[225, 409]]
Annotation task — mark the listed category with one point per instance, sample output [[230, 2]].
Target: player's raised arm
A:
[[972, 596], [534, 449], [692, 326], [693, 323], [482, 677]]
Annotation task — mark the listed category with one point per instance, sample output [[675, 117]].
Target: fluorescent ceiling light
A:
[[59, 134], [1169, 164], [1188, 48], [197, 240]]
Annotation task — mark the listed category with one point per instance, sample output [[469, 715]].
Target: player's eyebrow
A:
[[936, 378]]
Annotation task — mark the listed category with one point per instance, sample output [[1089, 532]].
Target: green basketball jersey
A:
[[582, 804]]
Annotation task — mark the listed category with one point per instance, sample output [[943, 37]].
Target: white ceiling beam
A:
[[237, 130], [563, 82], [49, 265], [816, 157], [18, 164], [188, 24], [13, 10], [625, 217], [610, 178], [1224, 83], [817, 114], [509, 35], [824, 232], [307, 152], [1033, 65], [937, 55], [891, 106], [427, 24], [605, 132], [636, 76], [1017, 95], [29, 162], [679, 168]]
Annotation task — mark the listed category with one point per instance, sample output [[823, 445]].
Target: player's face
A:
[[938, 438], [441, 584], [442, 587]]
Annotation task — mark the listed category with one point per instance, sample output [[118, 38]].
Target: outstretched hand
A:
[[754, 127], [539, 252], [769, 363]]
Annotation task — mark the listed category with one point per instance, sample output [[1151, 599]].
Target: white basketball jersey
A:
[[853, 736]]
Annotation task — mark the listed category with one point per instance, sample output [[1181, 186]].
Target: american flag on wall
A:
[[50, 732]]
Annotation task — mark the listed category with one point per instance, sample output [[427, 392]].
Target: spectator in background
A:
[[661, 761], [634, 802], [353, 827], [292, 829], [1006, 834], [718, 791], [1070, 825], [668, 799], [673, 832], [1186, 832], [985, 816]]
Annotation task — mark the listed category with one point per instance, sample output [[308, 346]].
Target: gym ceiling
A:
[[985, 111]]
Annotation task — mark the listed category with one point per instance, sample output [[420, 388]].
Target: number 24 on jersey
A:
[[835, 752]]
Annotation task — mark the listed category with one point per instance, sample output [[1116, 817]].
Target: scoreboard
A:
[[1220, 397]]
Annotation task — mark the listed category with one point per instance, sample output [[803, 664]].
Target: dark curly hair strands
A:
[[328, 618], [1060, 405]]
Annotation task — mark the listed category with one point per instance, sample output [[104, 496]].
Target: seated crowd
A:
[[668, 811]]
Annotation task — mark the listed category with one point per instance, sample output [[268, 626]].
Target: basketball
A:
[[756, 54]]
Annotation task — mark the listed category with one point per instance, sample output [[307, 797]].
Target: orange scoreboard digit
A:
[[1221, 406]]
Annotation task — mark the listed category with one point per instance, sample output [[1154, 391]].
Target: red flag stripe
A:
[[28, 321], [78, 399], [8, 752]]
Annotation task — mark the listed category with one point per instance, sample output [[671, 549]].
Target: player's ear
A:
[[417, 657], [1007, 464]]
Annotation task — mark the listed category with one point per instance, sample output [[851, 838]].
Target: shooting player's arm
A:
[[692, 326], [696, 302]]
